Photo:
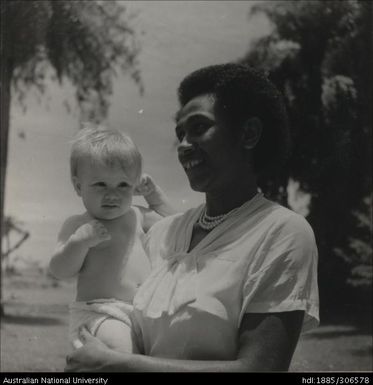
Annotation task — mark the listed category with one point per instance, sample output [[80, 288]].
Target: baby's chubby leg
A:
[[117, 335]]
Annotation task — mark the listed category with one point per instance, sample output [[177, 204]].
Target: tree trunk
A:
[[6, 73]]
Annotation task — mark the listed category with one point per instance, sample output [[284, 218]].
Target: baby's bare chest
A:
[[113, 253]]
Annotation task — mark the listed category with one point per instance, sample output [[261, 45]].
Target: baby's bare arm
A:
[[155, 197], [74, 241]]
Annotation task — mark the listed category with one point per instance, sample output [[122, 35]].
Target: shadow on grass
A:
[[357, 319], [16, 306], [363, 352], [30, 320], [338, 332]]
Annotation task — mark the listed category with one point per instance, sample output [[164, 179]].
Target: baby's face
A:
[[106, 191]]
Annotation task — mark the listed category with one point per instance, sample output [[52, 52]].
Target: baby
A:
[[102, 246]]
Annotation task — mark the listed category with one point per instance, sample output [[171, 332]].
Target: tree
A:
[[359, 252], [320, 55], [86, 42]]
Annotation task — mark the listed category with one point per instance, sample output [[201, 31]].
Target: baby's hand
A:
[[92, 232], [146, 186]]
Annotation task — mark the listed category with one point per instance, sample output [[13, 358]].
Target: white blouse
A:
[[261, 259]]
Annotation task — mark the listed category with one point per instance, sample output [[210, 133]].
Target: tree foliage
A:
[[320, 55], [86, 42], [358, 254], [83, 41]]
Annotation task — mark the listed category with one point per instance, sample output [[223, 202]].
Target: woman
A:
[[233, 281]]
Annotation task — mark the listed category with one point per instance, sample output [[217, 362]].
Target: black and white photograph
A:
[[186, 186]]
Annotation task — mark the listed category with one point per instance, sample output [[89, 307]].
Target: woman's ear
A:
[[251, 132], [76, 184]]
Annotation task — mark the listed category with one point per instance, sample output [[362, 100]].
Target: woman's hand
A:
[[93, 356]]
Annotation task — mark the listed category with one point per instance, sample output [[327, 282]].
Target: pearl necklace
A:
[[206, 222]]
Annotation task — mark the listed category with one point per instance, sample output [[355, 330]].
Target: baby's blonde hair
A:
[[106, 147]]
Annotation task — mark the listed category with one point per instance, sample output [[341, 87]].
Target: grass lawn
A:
[[34, 331]]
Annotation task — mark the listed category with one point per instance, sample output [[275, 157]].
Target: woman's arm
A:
[[266, 343]]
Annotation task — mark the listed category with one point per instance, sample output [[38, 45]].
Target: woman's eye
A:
[[123, 185], [192, 129], [199, 128]]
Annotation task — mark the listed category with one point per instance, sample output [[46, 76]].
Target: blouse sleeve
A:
[[287, 279], [154, 240]]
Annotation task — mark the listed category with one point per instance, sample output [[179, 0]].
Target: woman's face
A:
[[210, 154]]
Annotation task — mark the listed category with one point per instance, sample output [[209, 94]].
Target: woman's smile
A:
[[192, 164], [196, 168]]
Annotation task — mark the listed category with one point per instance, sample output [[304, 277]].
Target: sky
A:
[[176, 38]]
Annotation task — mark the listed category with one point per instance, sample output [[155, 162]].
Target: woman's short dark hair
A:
[[242, 92]]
